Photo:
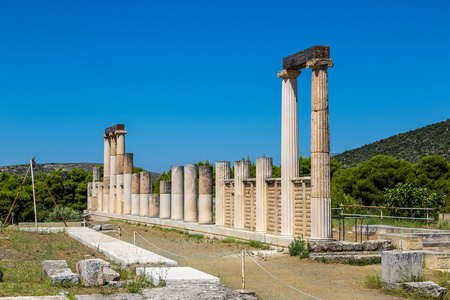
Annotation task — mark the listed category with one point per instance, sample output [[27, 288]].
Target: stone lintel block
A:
[[298, 60], [401, 266], [376, 245], [113, 128], [334, 246]]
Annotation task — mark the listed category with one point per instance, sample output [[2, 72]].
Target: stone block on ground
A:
[[97, 227], [335, 246], [401, 266], [169, 274], [95, 272], [107, 227], [425, 288], [403, 241], [58, 272], [376, 245]]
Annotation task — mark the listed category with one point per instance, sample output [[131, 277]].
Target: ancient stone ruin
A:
[[268, 209]]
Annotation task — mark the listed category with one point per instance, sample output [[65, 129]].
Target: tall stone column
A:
[[127, 182], [177, 206], [90, 192], [190, 193], [96, 187], [321, 227], [120, 140], [222, 173], [112, 175], [241, 172], [146, 188], [99, 196], [205, 197], [264, 169], [153, 207], [106, 173], [135, 194], [164, 199], [289, 148]]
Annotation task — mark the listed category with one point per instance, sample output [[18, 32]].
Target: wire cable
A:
[[190, 257], [279, 279]]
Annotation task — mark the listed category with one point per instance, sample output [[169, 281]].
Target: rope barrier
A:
[[226, 254], [279, 279], [190, 257]]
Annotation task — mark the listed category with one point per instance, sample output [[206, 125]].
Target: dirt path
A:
[[322, 280]]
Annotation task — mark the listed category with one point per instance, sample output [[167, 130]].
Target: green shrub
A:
[[67, 212], [300, 247]]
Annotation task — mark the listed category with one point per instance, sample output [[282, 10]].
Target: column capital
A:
[[120, 132], [288, 74], [319, 63]]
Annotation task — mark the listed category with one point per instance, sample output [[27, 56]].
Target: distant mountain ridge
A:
[[410, 146], [21, 170]]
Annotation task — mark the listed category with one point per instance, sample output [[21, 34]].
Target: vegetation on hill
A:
[[21, 170], [410, 146]]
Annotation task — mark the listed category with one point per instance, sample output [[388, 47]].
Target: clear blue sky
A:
[[196, 80]]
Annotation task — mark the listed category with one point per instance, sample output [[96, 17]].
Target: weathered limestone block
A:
[[107, 227], [403, 241], [222, 173], [335, 246], [164, 199], [153, 206], [59, 272], [436, 260], [177, 206], [401, 266], [97, 227], [190, 193], [95, 272], [376, 245], [135, 194], [425, 289], [205, 200]]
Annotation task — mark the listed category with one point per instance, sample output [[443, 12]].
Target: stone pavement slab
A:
[[168, 274], [119, 251]]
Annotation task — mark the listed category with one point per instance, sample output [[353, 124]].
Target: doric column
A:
[[112, 174], [222, 173], [177, 206], [190, 193], [205, 197], [164, 199], [135, 193], [289, 147], [146, 189], [127, 182], [241, 172], [264, 169], [321, 227], [153, 207], [120, 140], [106, 173]]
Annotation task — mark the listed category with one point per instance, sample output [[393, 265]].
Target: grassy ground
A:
[[21, 254]]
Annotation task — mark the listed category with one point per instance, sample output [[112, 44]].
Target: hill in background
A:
[[410, 146], [21, 170]]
